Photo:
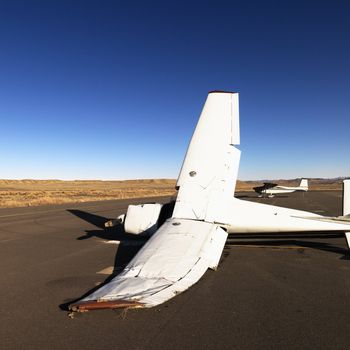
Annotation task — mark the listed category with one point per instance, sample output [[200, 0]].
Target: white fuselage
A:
[[284, 189], [242, 216]]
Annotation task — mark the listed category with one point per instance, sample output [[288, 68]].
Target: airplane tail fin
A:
[[210, 167], [346, 197], [346, 206], [304, 184]]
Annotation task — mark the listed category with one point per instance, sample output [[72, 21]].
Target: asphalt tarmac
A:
[[270, 292]]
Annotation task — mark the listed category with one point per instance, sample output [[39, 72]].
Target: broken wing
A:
[[174, 258]]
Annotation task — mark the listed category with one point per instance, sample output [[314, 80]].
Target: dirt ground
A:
[[20, 193]]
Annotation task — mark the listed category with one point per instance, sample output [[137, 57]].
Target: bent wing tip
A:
[[83, 306], [222, 92]]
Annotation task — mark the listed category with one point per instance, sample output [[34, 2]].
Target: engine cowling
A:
[[142, 219]]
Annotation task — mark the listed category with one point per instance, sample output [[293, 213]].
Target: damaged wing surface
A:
[[175, 258]]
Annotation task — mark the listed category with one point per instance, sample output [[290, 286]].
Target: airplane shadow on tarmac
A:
[[291, 239], [127, 248], [240, 196]]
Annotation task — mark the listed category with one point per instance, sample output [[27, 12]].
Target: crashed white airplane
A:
[[270, 189], [180, 251]]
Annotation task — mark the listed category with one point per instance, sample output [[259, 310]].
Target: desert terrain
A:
[[20, 193]]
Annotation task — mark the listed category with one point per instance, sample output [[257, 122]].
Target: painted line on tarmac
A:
[[125, 243], [106, 271], [51, 211], [31, 213], [111, 242]]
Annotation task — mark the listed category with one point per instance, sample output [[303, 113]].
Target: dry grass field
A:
[[19, 193]]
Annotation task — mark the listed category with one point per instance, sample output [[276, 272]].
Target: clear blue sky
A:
[[113, 89]]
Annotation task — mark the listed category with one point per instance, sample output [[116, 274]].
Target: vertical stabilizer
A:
[[304, 184], [346, 197], [347, 238]]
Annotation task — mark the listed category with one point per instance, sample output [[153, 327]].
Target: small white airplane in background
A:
[[191, 240], [270, 189]]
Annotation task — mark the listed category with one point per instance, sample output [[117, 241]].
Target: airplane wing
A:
[[209, 171], [189, 243], [268, 185], [265, 186], [174, 258]]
